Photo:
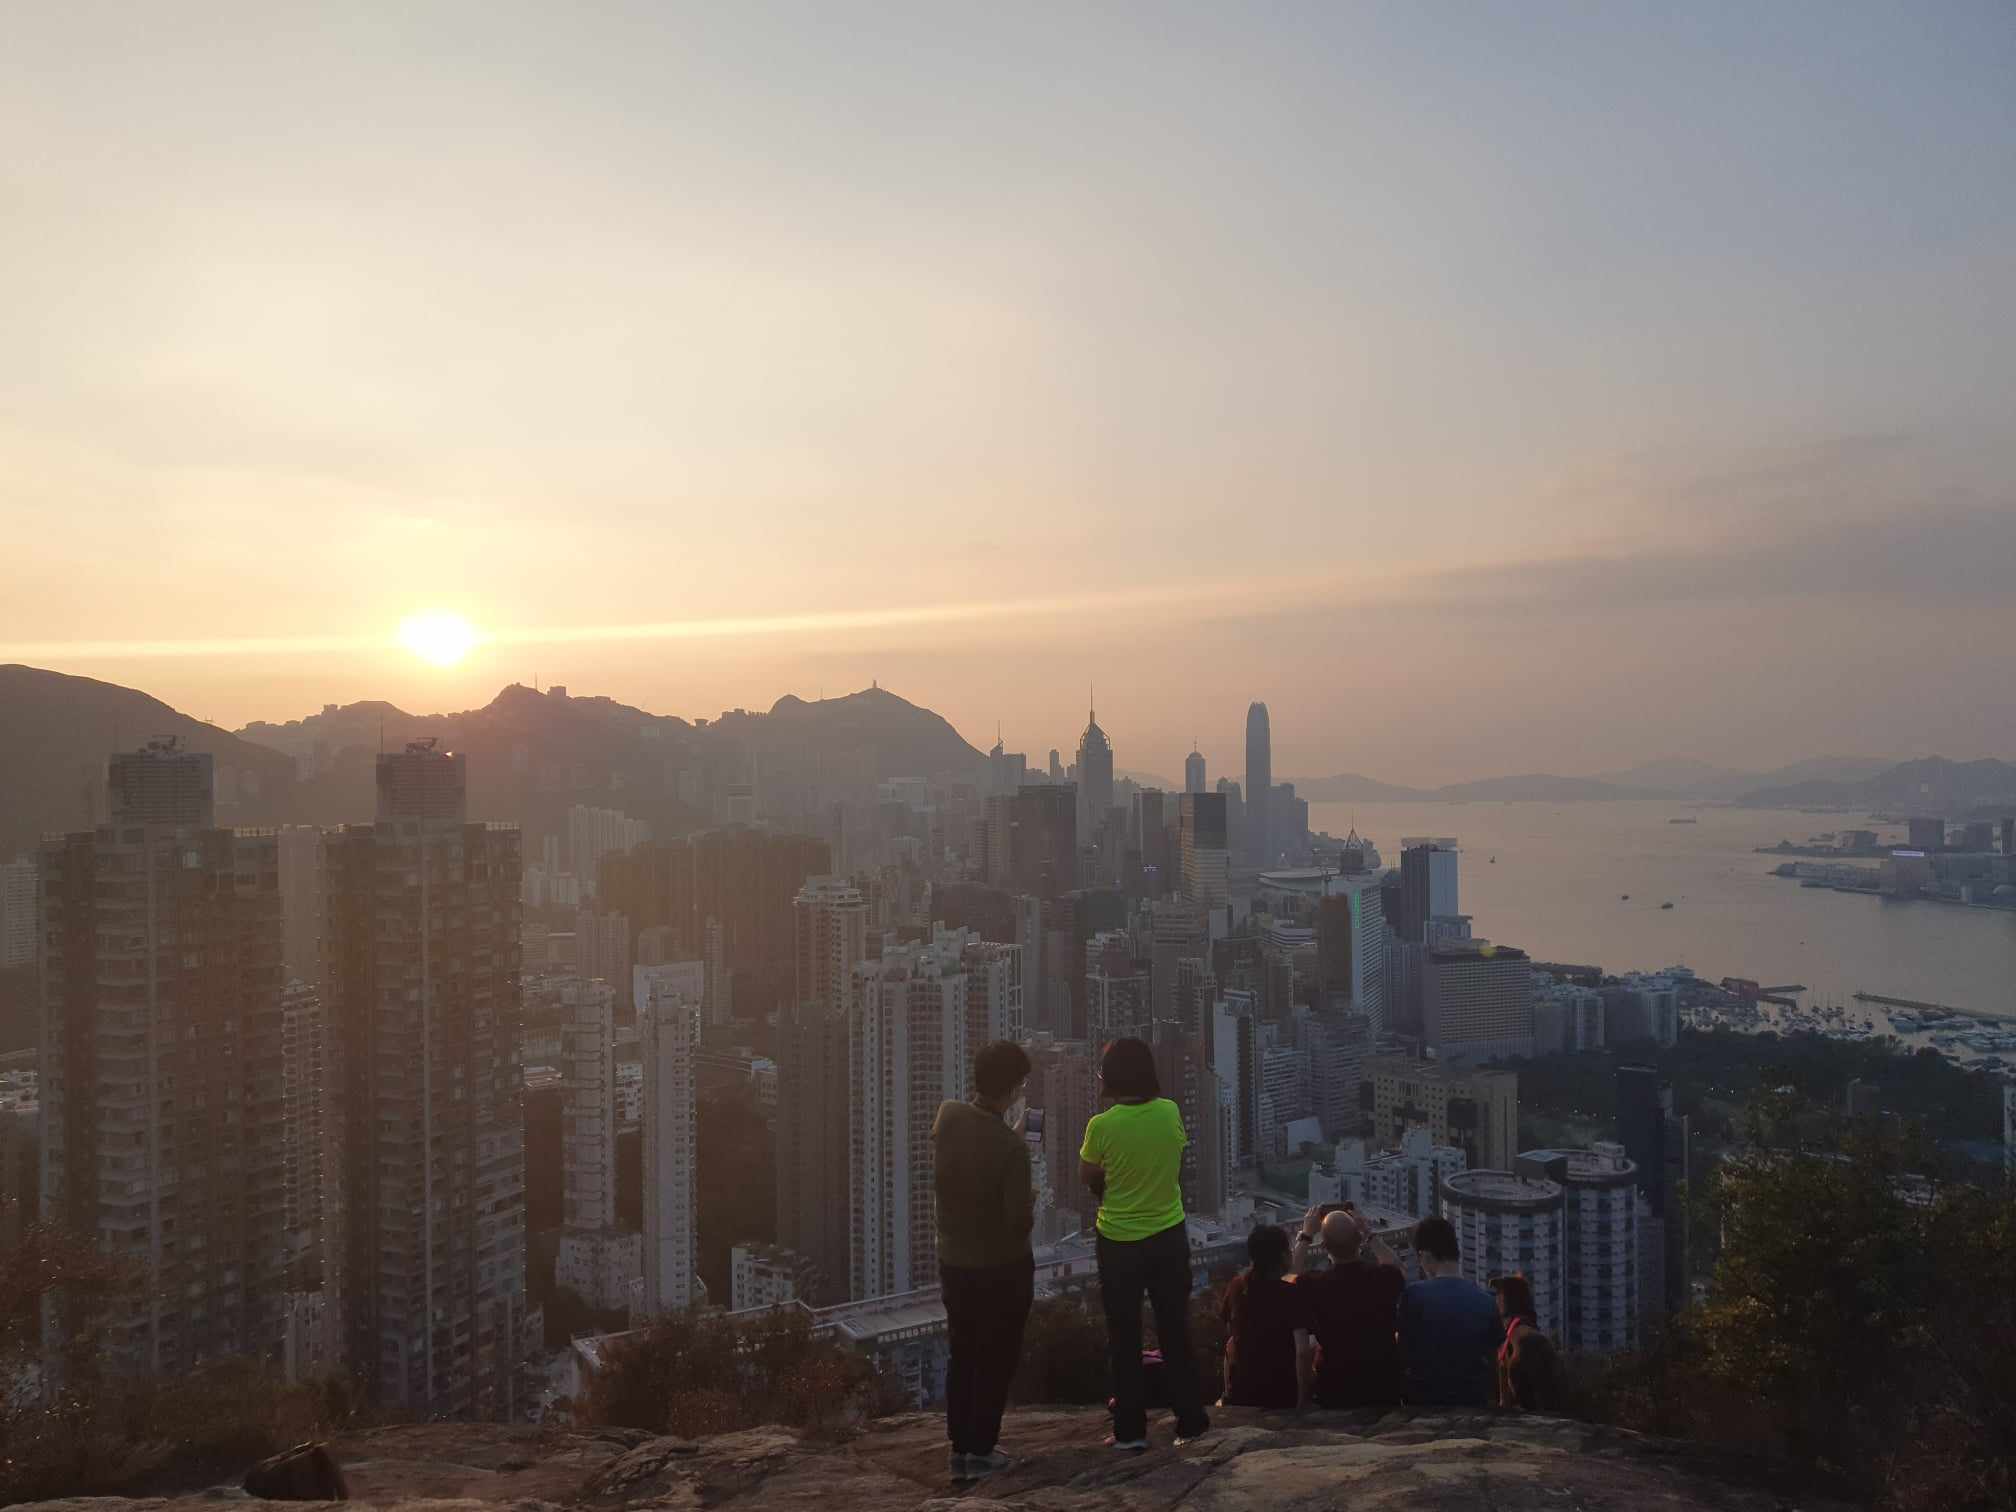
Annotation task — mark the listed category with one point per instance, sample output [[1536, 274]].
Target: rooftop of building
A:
[[1480, 951], [1501, 1188], [1594, 1164]]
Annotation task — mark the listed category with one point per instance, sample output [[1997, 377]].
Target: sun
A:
[[438, 637]]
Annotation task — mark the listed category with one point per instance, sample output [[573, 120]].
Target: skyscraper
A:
[[1193, 772], [907, 1054], [1043, 840], [813, 1152], [1095, 778], [422, 965], [1427, 886], [163, 1069], [1259, 785], [669, 1034], [17, 913], [1200, 840]]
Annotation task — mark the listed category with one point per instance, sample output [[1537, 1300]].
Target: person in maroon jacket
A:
[[1264, 1328]]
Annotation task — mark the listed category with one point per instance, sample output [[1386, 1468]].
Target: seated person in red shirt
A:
[[1350, 1313], [1264, 1332]]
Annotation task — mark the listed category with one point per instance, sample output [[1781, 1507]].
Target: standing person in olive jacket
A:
[[986, 1270]]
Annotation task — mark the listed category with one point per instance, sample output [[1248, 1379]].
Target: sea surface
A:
[[1556, 891]]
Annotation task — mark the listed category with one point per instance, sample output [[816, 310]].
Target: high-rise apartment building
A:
[[1335, 1046], [1183, 1067], [596, 1261], [1064, 1083], [163, 1066], [1477, 1111], [743, 879], [830, 937], [593, 833], [1116, 989], [1599, 1253], [1193, 772], [668, 1031], [17, 913], [1259, 786], [1201, 847], [162, 784], [994, 1008], [1235, 1049], [1478, 1003], [421, 960], [907, 1054], [301, 904], [1283, 1099], [1510, 1221], [602, 951], [830, 940], [314, 1339]]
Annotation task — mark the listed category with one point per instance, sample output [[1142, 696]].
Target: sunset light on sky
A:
[[1638, 376]]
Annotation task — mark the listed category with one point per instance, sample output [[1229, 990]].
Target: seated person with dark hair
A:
[[1264, 1328], [1350, 1309], [1449, 1329]]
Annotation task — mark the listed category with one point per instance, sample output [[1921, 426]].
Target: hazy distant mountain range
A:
[[531, 755]]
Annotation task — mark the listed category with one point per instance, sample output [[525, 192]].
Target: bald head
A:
[[1342, 1238]]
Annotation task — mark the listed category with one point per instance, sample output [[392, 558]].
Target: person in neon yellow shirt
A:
[[1132, 1160]]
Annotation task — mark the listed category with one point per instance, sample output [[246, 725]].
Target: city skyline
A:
[[1624, 361]]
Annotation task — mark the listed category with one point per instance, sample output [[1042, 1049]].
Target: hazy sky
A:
[[1487, 387]]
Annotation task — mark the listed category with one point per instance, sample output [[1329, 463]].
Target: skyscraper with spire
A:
[[1259, 785], [1095, 776], [1193, 772]]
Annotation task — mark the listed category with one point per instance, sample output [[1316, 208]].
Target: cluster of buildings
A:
[[287, 1073]]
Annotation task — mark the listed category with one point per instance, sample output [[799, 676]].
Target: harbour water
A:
[[1556, 891]]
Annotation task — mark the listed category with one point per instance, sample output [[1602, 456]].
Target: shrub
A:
[[692, 1374]]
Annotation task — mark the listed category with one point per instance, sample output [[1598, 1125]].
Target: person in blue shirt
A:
[[1449, 1327]]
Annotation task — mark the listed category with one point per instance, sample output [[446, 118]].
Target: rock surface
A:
[[1403, 1461]]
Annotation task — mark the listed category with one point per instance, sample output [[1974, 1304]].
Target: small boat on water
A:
[[1665, 905], [1623, 897], [1683, 821]]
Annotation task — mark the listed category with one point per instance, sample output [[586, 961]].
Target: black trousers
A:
[[1159, 1267], [986, 1310]]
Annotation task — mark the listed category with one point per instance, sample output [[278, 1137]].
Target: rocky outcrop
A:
[[1365, 1462]]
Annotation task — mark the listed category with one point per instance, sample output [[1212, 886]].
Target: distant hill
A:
[[1533, 787], [1681, 777], [1674, 777], [1350, 787], [1932, 786], [60, 729], [533, 755]]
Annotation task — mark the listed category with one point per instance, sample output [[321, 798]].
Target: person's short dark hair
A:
[[1435, 1239], [1267, 1248], [1128, 1070], [999, 1068], [1517, 1295]]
